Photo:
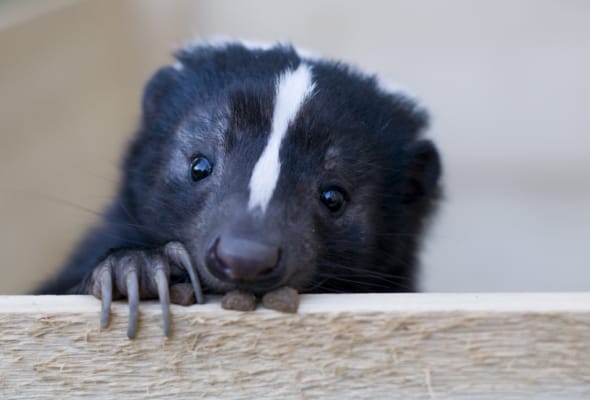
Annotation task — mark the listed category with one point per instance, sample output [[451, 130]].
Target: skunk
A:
[[256, 168]]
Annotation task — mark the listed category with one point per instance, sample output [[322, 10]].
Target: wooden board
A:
[[379, 346]]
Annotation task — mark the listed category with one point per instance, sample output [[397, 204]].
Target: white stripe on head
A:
[[291, 91]]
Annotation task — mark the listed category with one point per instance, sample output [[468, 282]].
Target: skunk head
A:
[[275, 169]]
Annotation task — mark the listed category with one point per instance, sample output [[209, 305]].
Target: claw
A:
[[177, 253], [194, 281], [133, 296], [106, 288], [164, 295]]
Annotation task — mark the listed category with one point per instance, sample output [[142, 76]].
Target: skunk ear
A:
[[157, 91], [423, 170]]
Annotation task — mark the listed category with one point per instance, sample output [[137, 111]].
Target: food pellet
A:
[[285, 299], [239, 301]]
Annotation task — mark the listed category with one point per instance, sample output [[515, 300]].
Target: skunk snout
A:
[[236, 259]]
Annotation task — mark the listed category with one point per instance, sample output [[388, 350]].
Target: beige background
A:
[[507, 83]]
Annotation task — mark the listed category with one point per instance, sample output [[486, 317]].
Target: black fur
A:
[[350, 134]]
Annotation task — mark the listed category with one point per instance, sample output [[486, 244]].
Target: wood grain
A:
[[423, 346]]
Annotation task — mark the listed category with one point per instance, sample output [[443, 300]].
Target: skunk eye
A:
[[201, 168], [333, 199]]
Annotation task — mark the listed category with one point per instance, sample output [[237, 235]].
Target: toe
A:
[[133, 298], [106, 286], [162, 283], [178, 254]]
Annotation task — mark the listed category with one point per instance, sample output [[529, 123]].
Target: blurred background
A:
[[508, 85]]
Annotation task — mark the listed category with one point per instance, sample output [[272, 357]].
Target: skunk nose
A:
[[242, 259]]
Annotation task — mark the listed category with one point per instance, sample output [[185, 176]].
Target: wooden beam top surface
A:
[[424, 346]]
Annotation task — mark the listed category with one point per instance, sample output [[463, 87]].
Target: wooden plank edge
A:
[[365, 302]]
